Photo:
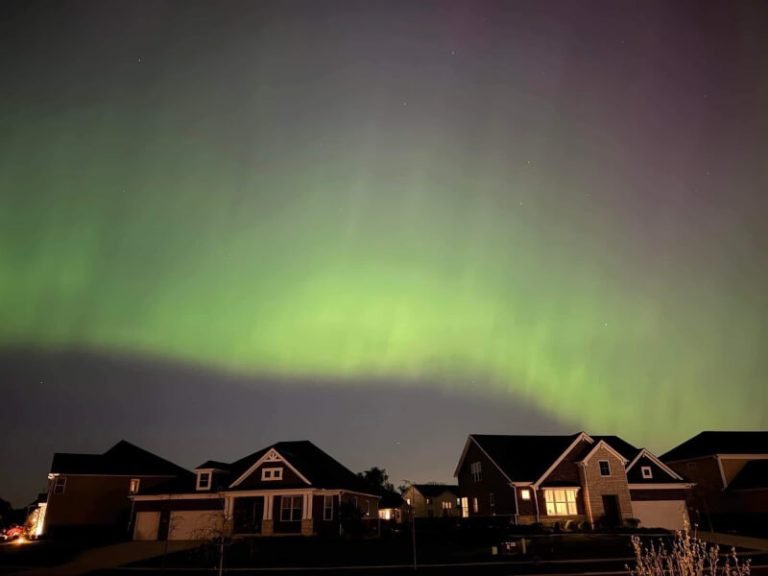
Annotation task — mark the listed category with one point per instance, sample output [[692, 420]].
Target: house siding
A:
[[91, 503], [598, 486], [640, 495], [492, 481]]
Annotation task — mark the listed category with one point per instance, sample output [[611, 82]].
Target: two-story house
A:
[[730, 470], [90, 493], [565, 479], [286, 488], [433, 500]]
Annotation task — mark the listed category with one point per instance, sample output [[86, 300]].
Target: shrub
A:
[[686, 556]]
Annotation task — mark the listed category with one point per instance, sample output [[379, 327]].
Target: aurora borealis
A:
[[522, 202]]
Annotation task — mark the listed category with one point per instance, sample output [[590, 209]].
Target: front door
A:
[[611, 509], [247, 515]]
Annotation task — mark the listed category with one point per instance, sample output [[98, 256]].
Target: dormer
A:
[[208, 476]]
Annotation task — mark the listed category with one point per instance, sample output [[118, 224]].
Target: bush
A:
[[687, 556]]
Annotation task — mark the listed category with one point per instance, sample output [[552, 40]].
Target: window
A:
[[605, 468], [408, 501], [367, 508], [133, 488], [327, 507], [525, 494], [477, 471], [203, 480], [560, 502], [475, 506], [429, 501], [290, 508], [59, 484], [647, 472], [271, 474], [447, 505], [492, 502]]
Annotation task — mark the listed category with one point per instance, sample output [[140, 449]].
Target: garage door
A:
[[669, 514], [195, 524], [146, 525]]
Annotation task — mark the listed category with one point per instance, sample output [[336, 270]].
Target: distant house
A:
[[90, 492], [285, 488], [566, 479], [731, 474], [391, 507], [433, 500]]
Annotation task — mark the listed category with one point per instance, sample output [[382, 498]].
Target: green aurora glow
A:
[[490, 263]]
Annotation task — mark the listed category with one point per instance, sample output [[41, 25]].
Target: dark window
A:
[[290, 508], [59, 485], [605, 468], [204, 481]]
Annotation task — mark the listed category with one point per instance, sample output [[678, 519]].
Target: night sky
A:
[[378, 225]]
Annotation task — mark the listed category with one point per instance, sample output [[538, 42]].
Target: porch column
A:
[[267, 523], [307, 525], [229, 521]]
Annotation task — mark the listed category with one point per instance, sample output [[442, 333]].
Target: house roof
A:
[[753, 475], [314, 464], [435, 490], [619, 445], [711, 442], [390, 499], [523, 458], [213, 464], [123, 459]]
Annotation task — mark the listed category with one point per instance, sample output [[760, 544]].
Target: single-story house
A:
[[285, 488]]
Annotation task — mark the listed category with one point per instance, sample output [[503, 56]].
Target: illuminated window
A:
[[647, 472], [475, 506], [59, 485], [133, 488], [525, 494], [408, 501], [477, 471], [290, 508], [271, 474], [605, 468], [447, 505], [203, 480], [560, 502], [429, 501], [327, 507]]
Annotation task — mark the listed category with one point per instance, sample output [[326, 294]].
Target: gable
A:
[[646, 470], [270, 470], [566, 471]]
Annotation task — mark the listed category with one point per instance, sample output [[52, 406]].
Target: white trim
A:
[[582, 436], [660, 486], [646, 472], [607, 446], [275, 473], [272, 455], [179, 496], [200, 474], [659, 463], [722, 470]]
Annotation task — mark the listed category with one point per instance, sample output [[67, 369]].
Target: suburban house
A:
[[731, 474], [391, 506], [433, 500], [568, 479], [91, 492], [285, 488]]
